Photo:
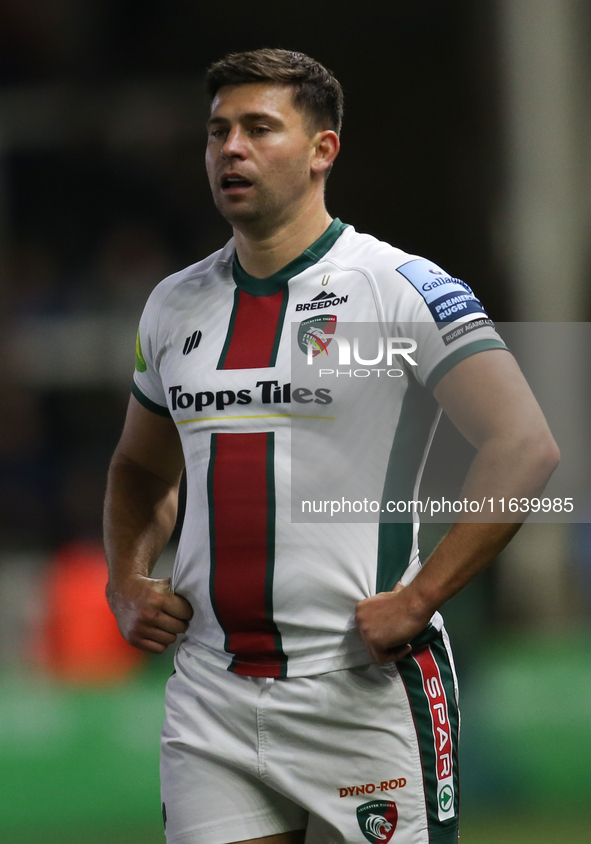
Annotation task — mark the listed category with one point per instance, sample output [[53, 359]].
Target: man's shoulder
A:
[[361, 250], [394, 269], [185, 281]]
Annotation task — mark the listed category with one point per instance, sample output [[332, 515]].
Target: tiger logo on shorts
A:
[[374, 825], [377, 820]]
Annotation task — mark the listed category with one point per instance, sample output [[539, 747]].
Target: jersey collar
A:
[[276, 282]]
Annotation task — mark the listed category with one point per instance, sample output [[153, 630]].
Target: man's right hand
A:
[[149, 615]]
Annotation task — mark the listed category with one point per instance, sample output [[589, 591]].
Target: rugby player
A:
[[314, 697]]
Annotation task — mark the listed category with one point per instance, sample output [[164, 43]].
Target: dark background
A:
[[105, 190], [102, 194]]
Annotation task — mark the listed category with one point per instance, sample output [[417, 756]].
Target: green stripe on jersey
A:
[[395, 539], [212, 535], [270, 573], [231, 325], [280, 321]]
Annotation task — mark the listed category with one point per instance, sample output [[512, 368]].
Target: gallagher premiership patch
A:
[[448, 298]]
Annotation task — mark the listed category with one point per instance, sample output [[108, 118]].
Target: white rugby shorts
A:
[[360, 754]]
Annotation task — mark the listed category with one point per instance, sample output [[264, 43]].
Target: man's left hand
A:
[[388, 624]]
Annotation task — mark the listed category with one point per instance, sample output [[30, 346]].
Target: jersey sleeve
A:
[[447, 321], [147, 383]]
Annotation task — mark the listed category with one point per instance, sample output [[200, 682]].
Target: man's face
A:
[[258, 155]]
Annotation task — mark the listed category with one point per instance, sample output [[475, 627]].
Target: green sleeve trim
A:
[[450, 361], [148, 403]]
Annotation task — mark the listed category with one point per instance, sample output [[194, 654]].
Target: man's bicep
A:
[[486, 395], [152, 442]]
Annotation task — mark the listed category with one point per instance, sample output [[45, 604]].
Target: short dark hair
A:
[[315, 90]]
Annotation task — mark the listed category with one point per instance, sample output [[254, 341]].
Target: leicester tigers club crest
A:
[[315, 332], [377, 820]]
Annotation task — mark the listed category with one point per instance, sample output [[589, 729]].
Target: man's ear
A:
[[326, 149]]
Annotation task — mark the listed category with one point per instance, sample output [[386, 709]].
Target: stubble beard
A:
[[260, 217], [268, 210]]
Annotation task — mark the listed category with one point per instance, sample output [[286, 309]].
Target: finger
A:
[[390, 654], [394, 654], [170, 623], [156, 634], [150, 646], [178, 607], [150, 640], [399, 586]]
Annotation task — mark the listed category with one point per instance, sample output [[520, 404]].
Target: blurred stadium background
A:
[[467, 138]]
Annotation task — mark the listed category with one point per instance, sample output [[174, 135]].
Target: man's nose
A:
[[234, 145]]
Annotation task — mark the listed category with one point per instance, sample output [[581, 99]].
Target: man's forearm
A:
[[389, 621], [140, 515], [510, 469], [464, 551]]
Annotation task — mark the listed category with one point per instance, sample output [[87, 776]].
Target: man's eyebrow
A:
[[250, 117]]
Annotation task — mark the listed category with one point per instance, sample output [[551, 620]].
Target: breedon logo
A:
[[323, 300], [377, 820], [315, 333]]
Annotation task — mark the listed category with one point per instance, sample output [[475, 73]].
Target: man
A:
[[314, 694]]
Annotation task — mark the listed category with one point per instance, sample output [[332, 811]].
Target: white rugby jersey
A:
[[272, 597]]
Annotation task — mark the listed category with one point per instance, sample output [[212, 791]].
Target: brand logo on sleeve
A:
[[448, 298], [377, 820], [192, 342]]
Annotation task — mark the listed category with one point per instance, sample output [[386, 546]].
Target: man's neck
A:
[[262, 256]]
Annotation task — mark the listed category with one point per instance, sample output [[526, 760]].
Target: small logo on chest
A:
[[323, 300], [192, 342]]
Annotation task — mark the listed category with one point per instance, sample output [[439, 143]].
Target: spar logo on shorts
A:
[[377, 820], [433, 688]]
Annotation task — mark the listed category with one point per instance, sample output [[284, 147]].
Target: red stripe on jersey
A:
[[253, 331], [433, 687], [243, 522]]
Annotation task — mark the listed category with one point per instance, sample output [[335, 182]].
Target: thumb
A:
[[399, 587]]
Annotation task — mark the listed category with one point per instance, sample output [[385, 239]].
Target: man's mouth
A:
[[235, 184]]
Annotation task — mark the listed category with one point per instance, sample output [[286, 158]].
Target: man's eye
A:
[[260, 130], [217, 133]]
